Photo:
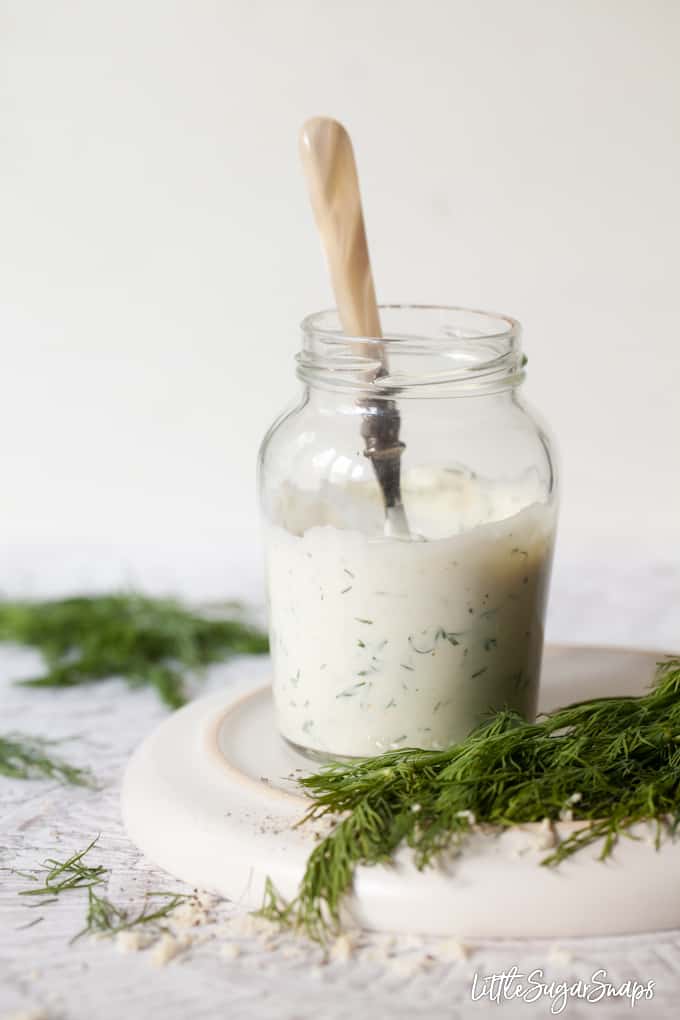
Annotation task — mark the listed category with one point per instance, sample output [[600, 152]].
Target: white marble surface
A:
[[91, 980]]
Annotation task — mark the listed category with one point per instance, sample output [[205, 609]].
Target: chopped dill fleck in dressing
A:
[[349, 692], [420, 609]]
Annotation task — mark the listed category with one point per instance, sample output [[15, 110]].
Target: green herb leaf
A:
[[149, 641], [69, 874], [102, 915], [28, 757], [611, 762]]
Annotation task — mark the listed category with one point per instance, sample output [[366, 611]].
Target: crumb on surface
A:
[[545, 838], [558, 954], [411, 941], [452, 949], [132, 941], [468, 815], [166, 949], [343, 947], [32, 1013], [206, 900], [188, 915], [410, 965]]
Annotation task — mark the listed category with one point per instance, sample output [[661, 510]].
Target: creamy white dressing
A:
[[380, 643]]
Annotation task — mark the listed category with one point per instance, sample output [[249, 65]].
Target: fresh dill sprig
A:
[[72, 873], [29, 757], [102, 916], [608, 763], [148, 641]]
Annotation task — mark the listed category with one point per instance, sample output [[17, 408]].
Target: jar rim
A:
[[319, 324], [425, 350]]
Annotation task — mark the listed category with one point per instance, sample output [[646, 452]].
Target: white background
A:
[[157, 254]]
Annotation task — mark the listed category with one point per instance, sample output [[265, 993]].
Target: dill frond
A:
[[72, 873], [148, 641], [609, 762], [102, 916], [28, 757]]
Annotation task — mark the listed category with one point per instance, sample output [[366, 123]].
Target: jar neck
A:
[[425, 351], [333, 398]]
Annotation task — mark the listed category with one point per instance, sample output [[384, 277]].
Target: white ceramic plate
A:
[[210, 797]]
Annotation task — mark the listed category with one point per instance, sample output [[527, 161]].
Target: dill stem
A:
[[608, 763]]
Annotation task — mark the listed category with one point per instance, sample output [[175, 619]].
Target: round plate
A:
[[211, 797]]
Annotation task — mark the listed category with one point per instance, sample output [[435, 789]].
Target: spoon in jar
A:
[[330, 168]]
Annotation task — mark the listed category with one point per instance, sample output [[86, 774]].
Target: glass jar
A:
[[382, 641]]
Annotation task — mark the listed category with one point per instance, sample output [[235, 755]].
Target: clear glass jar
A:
[[382, 642]]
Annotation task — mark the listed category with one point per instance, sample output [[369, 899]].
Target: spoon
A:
[[328, 161]]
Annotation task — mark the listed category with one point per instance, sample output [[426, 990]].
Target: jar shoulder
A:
[[502, 438]]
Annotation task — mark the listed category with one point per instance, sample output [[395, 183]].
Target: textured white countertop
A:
[[39, 971]]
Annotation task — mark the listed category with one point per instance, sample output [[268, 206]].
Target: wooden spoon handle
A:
[[328, 160]]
